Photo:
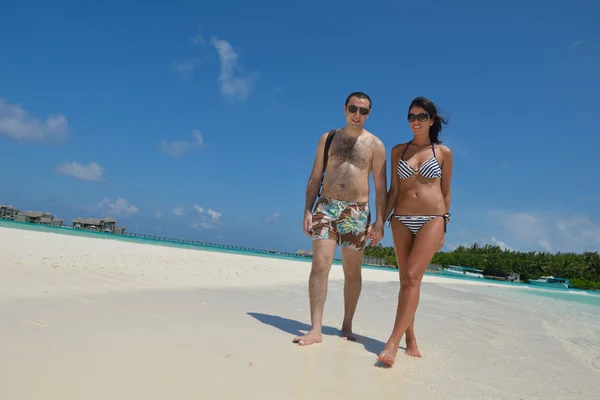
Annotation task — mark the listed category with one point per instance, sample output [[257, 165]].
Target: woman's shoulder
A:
[[399, 146], [443, 148]]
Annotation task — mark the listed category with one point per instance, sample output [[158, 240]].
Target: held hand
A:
[[307, 224], [375, 233]]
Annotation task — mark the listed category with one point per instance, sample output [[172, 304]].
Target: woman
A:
[[420, 198]]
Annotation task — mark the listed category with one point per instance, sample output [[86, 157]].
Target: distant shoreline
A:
[[239, 250], [161, 240], [432, 271]]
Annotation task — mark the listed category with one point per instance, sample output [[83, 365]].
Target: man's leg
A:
[[352, 262], [352, 228], [322, 258]]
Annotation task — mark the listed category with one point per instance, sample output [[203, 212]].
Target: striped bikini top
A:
[[429, 169]]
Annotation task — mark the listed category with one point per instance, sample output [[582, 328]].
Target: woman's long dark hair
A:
[[431, 109]]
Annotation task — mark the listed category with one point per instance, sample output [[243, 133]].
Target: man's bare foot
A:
[[412, 349], [347, 334], [310, 338], [388, 354]]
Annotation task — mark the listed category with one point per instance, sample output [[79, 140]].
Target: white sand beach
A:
[[85, 318]]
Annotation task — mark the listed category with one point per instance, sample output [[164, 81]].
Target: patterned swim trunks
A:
[[346, 222]]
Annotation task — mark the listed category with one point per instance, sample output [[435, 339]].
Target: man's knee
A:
[[322, 257], [352, 264], [352, 275], [321, 265], [352, 271]]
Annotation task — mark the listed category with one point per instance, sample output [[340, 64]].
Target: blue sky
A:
[[201, 121]]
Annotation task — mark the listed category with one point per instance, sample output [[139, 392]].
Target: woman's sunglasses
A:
[[363, 110], [421, 117]]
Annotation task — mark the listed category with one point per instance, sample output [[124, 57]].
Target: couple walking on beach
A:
[[419, 197]]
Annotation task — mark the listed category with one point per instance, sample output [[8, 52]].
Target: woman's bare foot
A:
[[347, 334], [310, 338], [388, 354], [412, 349]]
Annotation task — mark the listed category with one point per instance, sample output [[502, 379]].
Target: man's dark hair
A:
[[361, 96]]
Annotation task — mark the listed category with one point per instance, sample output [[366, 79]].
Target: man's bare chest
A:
[[352, 152]]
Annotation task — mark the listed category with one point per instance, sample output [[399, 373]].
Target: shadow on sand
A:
[[297, 328]]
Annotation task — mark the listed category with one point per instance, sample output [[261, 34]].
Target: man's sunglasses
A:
[[422, 117], [363, 110]]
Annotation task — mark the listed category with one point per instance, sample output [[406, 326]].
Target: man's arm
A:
[[314, 180], [380, 180], [447, 166]]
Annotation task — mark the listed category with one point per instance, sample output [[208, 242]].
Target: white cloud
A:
[[17, 124], [209, 219], [551, 232], [214, 216], [92, 172], [120, 207], [501, 244], [233, 84], [273, 218], [178, 211], [158, 214], [177, 148], [545, 245]]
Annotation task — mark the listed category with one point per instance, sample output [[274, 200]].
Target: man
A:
[[342, 213]]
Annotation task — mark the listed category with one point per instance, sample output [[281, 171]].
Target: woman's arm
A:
[[447, 165]]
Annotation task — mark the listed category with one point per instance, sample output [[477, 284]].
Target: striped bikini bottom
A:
[[415, 222]]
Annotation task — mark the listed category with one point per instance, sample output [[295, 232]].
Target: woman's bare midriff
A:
[[420, 199]]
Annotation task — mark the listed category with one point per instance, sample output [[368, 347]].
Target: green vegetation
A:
[[583, 270]]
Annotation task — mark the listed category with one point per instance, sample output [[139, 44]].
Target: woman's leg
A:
[[411, 341], [426, 243], [403, 241]]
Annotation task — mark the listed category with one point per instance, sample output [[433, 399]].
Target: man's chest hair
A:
[[352, 150]]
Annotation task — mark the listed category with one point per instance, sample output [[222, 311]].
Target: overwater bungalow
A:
[[8, 212], [108, 225], [37, 217]]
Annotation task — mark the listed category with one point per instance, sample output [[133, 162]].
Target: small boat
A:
[[462, 271], [550, 281]]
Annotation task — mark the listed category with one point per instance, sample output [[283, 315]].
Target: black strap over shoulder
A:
[[326, 157]]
